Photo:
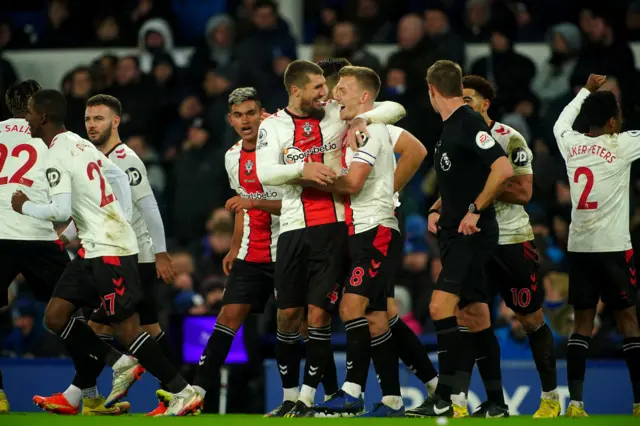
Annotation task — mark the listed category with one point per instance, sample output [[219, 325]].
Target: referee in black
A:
[[472, 170]]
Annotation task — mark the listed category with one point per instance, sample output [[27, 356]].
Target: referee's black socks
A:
[[411, 351], [215, 353], [449, 345], [487, 352], [466, 361]]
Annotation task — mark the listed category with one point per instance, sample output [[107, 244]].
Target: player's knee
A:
[[628, 322], [352, 306], [152, 329], [100, 328], [57, 315], [476, 317], [289, 320], [378, 323], [443, 305], [531, 322], [233, 316], [583, 321], [391, 308], [318, 317], [128, 330]]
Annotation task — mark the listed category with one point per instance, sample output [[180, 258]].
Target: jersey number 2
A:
[[583, 204], [94, 169], [18, 176]]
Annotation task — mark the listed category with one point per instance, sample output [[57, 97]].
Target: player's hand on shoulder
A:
[[17, 201], [237, 203], [469, 224], [227, 262], [164, 267], [594, 82], [357, 128], [264, 115], [318, 173], [432, 222]]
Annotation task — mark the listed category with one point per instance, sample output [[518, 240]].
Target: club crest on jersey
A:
[[248, 166], [445, 162], [53, 176], [307, 128]]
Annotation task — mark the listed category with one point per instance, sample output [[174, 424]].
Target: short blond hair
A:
[[366, 77], [446, 77]]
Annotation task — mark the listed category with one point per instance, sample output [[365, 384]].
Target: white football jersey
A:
[[599, 170], [261, 229], [74, 166], [22, 167], [373, 205], [513, 220], [293, 139], [394, 134], [129, 162]]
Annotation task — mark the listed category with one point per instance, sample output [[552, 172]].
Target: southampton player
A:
[[303, 142], [410, 153], [472, 170], [104, 273], [250, 262], [513, 268], [102, 118], [601, 263], [28, 246], [367, 185]]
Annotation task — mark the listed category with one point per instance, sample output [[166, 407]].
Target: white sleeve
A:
[[230, 174], [394, 133], [629, 143], [151, 214], [384, 112], [564, 124], [71, 231], [269, 165], [58, 174], [119, 182], [138, 179], [369, 152], [58, 210]]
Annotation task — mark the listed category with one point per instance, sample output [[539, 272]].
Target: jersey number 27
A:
[[93, 170]]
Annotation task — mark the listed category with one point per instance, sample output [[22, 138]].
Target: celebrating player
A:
[[28, 246], [601, 263], [514, 266], [411, 152], [304, 142], [373, 236], [250, 262], [102, 117], [472, 170], [105, 269]]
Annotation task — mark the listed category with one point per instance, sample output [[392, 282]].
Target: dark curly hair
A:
[[330, 69], [17, 96], [481, 85], [600, 107]]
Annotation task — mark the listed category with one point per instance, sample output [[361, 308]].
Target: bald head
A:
[[410, 30]]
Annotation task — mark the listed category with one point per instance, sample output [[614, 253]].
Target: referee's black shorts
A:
[[464, 259]]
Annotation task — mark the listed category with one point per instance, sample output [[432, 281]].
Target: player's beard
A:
[[103, 137], [311, 111]]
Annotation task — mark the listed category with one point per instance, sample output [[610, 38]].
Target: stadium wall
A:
[[607, 387], [49, 66]]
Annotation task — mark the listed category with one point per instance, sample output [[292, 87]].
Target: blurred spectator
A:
[[11, 38], [80, 91], [633, 20], [154, 39], [553, 79], [29, 338], [62, 29], [605, 51], [477, 16], [138, 99], [321, 50], [215, 245], [510, 72], [215, 50], [168, 86], [347, 44], [105, 75], [8, 76], [323, 17], [146, 10], [374, 24], [447, 43], [108, 33]]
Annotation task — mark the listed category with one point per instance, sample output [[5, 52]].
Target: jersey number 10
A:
[[18, 176], [583, 204]]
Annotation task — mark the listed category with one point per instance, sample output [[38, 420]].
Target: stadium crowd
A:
[[175, 118]]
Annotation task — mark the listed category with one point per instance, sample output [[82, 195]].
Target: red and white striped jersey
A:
[[291, 139], [261, 229]]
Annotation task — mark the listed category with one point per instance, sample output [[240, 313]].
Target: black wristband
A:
[[433, 211]]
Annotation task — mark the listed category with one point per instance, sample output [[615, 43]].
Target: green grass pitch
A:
[[45, 419]]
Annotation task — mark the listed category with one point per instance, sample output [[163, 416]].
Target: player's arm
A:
[[119, 182], [568, 116], [491, 154], [70, 233], [360, 167], [269, 206], [59, 209], [269, 167], [236, 241], [384, 112], [412, 152], [519, 188]]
